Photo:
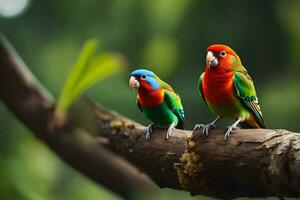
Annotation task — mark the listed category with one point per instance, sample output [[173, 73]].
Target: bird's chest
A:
[[219, 89], [151, 99]]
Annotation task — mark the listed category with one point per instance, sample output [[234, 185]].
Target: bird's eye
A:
[[222, 53], [144, 76]]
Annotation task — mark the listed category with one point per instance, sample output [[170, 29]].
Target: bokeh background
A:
[[167, 36]]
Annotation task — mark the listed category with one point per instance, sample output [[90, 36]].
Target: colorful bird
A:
[[157, 100], [228, 90]]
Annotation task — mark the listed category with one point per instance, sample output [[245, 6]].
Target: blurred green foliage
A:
[[88, 69], [169, 37]]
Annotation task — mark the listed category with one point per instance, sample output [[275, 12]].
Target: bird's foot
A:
[[207, 128], [197, 126], [149, 130], [170, 129], [232, 128]]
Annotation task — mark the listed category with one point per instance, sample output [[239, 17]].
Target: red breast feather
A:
[[149, 98], [218, 86]]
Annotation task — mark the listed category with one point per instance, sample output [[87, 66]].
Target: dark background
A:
[[167, 36]]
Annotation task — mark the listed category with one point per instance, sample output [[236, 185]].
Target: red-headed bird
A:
[[157, 100], [228, 90]]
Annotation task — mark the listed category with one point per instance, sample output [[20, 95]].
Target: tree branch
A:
[[33, 106], [253, 163]]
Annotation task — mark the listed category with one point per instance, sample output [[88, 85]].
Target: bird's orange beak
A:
[[211, 60], [133, 83]]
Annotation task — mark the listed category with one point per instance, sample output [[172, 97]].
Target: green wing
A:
[[246, 93], [200, 86], [174, 102]]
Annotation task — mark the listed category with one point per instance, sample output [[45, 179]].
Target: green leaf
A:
[[88, 69]]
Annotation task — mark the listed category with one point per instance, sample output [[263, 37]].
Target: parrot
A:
[[228, 91], [158, 101]]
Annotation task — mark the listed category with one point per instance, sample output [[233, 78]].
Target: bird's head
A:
[[143, 79], [221, 57]]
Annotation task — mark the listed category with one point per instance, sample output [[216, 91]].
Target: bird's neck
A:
[[150, 98]]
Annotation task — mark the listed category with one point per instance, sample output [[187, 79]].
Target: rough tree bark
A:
[[253, 163]]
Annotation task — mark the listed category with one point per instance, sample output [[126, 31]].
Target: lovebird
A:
[[158, 101], [228, 91]]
